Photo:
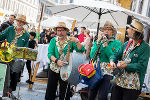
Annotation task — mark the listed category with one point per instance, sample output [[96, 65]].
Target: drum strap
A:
[[61, 54], [100, 43], [96, 52]]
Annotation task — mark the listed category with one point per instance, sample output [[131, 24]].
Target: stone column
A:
[[145, 7], [137, 5]]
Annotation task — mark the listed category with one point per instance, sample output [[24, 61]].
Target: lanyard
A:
[[128, 45]]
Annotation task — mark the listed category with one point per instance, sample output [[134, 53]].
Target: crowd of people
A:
[[131, 57], [46, 36]]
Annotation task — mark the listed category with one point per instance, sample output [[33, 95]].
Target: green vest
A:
[[105, 52]]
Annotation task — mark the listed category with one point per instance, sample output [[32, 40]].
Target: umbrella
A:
[[89, 25], [94, 11], [53, 21]]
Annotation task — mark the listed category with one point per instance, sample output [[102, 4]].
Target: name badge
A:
[[113, 48], [135, 55]]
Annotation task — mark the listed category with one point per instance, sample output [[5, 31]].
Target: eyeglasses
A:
[[60, 30], [109, 29]]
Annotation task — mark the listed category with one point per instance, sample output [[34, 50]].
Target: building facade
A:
[[30, 8], [64, 1], [141, 7], [46, 10], [25, 7]]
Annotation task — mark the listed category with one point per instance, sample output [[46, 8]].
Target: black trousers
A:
[[7, 82], [101, 89], [28, 65], [10, 81], [119, 93], [53, 79], [13, 83]]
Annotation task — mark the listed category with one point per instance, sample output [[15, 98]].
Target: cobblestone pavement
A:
[[36, 93]]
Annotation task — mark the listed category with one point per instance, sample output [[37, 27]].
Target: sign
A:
[[3, 68], [1, 14]]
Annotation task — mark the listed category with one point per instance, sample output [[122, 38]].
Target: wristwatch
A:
[[56, 60]]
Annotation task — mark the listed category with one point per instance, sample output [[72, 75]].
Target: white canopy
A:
[[53, 21], [90, 11], [86, 11]]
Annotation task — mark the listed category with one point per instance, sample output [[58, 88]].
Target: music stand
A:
[[7, 77]]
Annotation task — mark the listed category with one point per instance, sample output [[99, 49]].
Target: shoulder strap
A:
[[97, 52]]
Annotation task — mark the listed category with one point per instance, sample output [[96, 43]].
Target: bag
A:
[[95, 79], [87, 70]]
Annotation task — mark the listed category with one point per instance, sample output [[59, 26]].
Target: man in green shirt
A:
[[56, 51], [19, 37], [108, 47]]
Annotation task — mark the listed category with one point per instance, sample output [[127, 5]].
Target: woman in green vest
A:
[[108, 47], [132, 59]]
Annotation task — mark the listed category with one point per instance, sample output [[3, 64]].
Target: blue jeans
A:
[[101, 89]]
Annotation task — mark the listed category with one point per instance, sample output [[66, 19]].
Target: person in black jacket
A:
[[32, 44], [49, 35], [42, 36], [3, 27], [10, 22]]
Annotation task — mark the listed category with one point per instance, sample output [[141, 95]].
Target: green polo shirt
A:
[[139, 59], [105, 52], [10, 33]]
